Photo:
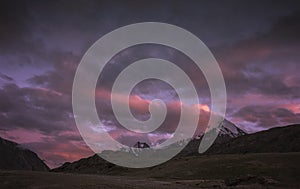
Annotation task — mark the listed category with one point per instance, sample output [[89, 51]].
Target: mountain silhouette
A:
[[15, 157]]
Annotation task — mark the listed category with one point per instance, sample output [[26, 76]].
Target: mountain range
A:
[[231, 140], [266, 159], [15, 157]]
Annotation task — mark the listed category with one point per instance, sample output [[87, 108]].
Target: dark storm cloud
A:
[[14, 27], [263, 63], [60, 78], [267, 116], [19, 45], [152, 88], [250, 66], [30, 29], [34, 109], [6, 77]]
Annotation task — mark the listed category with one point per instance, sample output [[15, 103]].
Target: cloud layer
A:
[[256, 44]]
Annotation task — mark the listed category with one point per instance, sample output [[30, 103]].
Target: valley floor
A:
[[272, 170]]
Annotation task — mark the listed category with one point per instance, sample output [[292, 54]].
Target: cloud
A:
[[258, 56], [257, 63], [266, 116], [59, 152], [5, 77], [44, 115], [140, 109], [60, 78], [34, 108]]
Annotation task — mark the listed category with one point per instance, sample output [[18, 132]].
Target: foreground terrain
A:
[[261, 170]]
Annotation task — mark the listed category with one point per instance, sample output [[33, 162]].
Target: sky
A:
[[256, 44]]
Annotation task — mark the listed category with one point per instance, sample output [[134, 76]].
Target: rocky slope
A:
[[95, 164], [281, 139], [227, 132], [15, 157]]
